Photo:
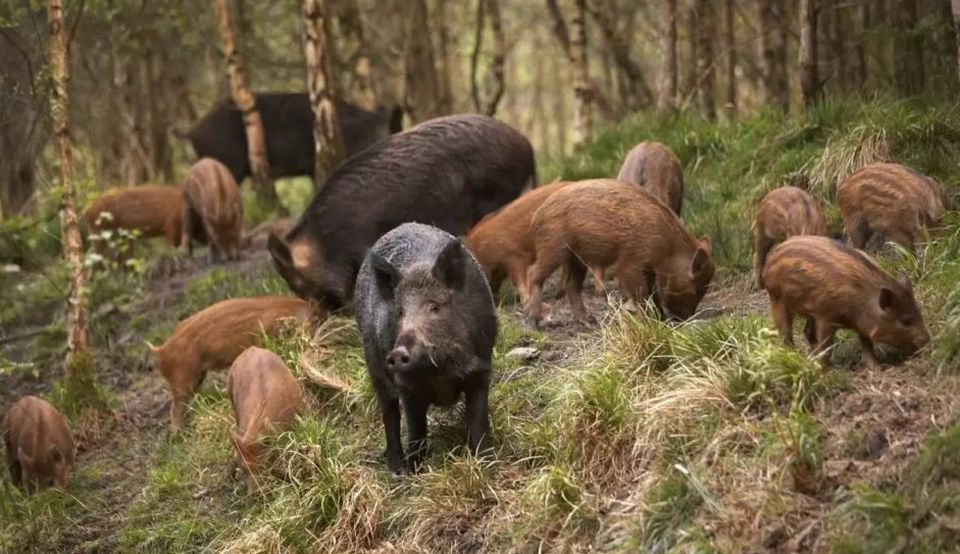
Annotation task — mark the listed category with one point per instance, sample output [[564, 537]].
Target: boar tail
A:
[[152, 348]]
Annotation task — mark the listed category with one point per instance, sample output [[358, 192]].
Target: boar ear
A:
[[279, 250], [450, 268], [888, 299], [904, 281], [700, 259], [385, 275]]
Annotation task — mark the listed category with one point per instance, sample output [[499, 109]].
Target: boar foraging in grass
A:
[[603, 222], [448, 172], [836, 287], [39, 444], [888, 200], [212, 339], [428, 323], [212, 202], [154, 211], [655, 167], [265, 397], [502, 241], [783, 213]]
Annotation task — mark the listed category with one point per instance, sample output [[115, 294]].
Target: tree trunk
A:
[[582, 86], [77, 344], [809, 70], [244, 99], [667, 83], [731, 45], [328, 145], [488, 106], [562, 35], [22, 128], [421, 90], [639, 93], [773, 53], [955, 7], [908, 52], [158, 92], [361, 92], [443, 58], [706, 71]]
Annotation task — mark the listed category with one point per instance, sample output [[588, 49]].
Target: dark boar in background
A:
[[837, 287], [288, 129], [654, 166], [448, 172], [428, 323], [212, 202], [783, 213], [609, 223], [889, 200], [39, 444]]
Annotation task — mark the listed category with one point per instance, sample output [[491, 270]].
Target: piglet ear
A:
[[700, 259], [888, 299], [450, 267], [385, 275]]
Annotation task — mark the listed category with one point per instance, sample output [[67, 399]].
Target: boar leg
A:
[[576, 272], [783, 319], [547, 262], [598, 284], [517, 271], [762, 248], [866, 346], [415, 410], [810, 332], [478, 414], [390, 412], [13, 463], [859, 234], [824, 335]]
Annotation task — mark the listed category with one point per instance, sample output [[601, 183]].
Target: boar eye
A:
[[434, 307]]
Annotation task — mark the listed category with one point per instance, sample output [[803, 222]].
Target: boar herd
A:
[[416, 233]]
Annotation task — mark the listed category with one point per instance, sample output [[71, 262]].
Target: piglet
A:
[[39, 444]]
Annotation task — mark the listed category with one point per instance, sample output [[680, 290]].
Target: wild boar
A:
[[502, 241], [654, 166], [212, 338], [888, 200], [608, 223], [837, 287], [39, 444], [428, 324], [783, 213], [213, 203], [266, 398], [288, 129], [154, 211], [448, 172]]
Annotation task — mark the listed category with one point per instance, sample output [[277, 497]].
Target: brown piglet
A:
[[834, 287], [604, 222], [212, 202], [154, 211], [266, 398], [655, 167], [783, 213], [502, 241], [39, 444], [213, 338], [888, 200]]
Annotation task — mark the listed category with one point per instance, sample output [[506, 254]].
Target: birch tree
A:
[[667, 82], [582, 86], [328, 145]]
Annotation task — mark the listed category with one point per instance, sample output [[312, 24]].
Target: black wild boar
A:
[[448, 172], [837, 287], [288, 129], [428, 323]]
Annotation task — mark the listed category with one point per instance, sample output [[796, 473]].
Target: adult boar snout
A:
[[399, 359]]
